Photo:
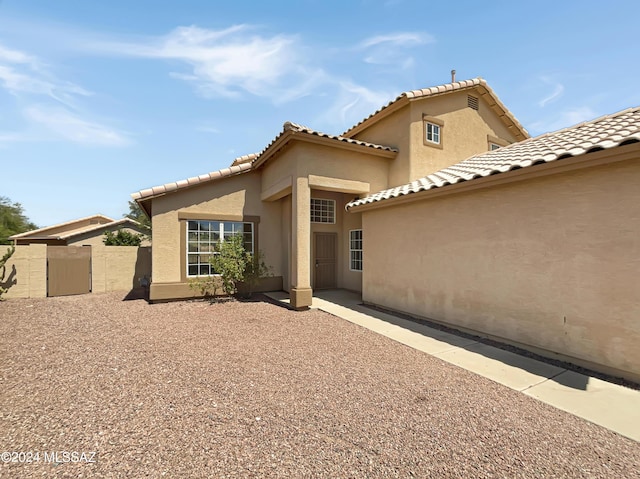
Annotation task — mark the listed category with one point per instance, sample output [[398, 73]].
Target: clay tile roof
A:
[[245, 159], [602, 133], [478, 82], [214, 175], [289, 126], [246, 162]]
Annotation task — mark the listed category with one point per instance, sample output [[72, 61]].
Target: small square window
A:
[[323, 211], [433, 128], [433, 133]]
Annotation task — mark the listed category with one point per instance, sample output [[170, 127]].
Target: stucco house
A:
[[289, 199], [88, 231], [438, 205]]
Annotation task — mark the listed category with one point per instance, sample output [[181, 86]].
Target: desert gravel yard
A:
[[249, 389]]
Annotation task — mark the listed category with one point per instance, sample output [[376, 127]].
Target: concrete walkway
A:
[[615, 407]]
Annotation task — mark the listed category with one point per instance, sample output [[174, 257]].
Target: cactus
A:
[[3, 262]]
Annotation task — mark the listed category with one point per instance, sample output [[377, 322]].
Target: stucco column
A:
[[301, 245]]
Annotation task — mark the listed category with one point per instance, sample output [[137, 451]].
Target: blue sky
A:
[[102, 99]]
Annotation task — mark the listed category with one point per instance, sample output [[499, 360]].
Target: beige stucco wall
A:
[[119, 268], [552, 263], [464, 134], [237, 196], [26, 272], [301, 159], [113, 268]]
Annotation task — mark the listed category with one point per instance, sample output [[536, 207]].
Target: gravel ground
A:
[[249, 389]]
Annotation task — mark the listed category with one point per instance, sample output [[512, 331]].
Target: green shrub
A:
[[230, 263], [256, 269], [234, 267], [207, 286], [121, 238]]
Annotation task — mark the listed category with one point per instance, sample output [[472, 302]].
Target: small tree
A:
[[230, 262], [233, 266], [12, 220], [136, 214], [121, 238], [256, 269], [3, 262]]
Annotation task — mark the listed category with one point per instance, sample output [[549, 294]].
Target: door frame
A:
[[314, 266]]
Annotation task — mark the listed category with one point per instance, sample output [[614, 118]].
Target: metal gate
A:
[[68, 270]]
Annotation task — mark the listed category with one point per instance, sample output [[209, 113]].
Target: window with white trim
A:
[[203, 238], [432, 132], [323, 211], [494, 146], [355, 250]]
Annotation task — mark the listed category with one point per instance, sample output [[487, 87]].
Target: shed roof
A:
[[602, 133], [69, 229]]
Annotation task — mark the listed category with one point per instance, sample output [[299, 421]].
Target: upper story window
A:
[[433, 133], [494, 142], [433, 129], [323, 211]]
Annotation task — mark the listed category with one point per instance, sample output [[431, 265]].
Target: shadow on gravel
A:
[[137, 293]]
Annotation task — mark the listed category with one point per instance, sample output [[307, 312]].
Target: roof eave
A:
[[289, 135], [589, 159]]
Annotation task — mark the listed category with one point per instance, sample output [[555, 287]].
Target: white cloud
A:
[[558, 90], [222, 62], [6, 138], [50, 103], [15, 56], [563, 119], [392, 49], [398, 39], [208, 129], [70, 126], [353, 103], [21, 73]]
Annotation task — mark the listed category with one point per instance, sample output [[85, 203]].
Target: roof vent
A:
[[472, 102]]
